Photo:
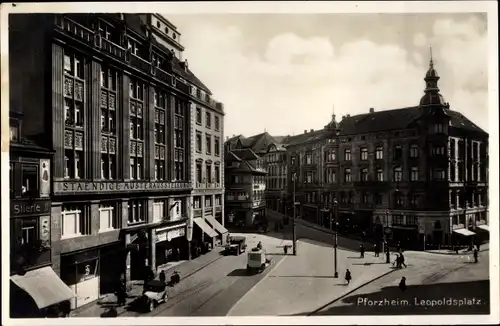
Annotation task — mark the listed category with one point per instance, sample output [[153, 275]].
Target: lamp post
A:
[[335, 237], [294, 235]]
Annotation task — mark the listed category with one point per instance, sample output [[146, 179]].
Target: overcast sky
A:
[[287, 72]]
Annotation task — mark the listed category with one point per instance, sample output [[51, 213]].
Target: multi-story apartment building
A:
[[417, 174], [208, 201], [244, 188], [114, 103]]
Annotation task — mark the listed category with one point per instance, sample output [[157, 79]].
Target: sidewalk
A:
[[484, 247], [185, 269]]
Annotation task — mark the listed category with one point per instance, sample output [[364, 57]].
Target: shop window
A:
[[411, 220], [74, 222], [108, 217], [397, 220], [136, 212]]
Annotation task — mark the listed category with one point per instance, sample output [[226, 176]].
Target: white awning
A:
[[44, 286], [485, 227], [205, 227], [219, 227], [465, 232]]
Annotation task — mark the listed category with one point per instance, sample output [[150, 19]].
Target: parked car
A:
[[155, 292], [236, 246]]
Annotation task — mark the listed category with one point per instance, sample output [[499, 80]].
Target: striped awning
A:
[[205, 227]]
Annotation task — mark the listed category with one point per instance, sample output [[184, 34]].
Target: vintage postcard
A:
[[250, 163]]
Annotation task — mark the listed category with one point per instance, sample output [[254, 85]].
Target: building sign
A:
[[168, 235], [29, 207], [126, 186]]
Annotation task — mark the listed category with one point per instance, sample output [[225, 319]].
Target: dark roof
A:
[[378, 121], [306, 137], [396, 119], [230, 156], [25, 144], [245, 154], [135, 24], [188, 75], [233, 140], [280, 139], [259, 143]]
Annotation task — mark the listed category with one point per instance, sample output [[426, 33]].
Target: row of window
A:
[[208, 173], [208, 119], [208, 144], [276, 183], [256, 179], [399, 199], [76, 218], [276, 170], [208, 201]]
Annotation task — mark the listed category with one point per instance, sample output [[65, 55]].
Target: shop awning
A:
[[484, 227], [219, 227], [465, 232], [205, 227], [44, 286]]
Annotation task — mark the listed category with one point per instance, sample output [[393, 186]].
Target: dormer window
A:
[[156, 59], [133, 46], [105, 30]]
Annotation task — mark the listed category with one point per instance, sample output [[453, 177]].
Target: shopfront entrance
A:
[[169, 246], [111, 267], [80, 272]]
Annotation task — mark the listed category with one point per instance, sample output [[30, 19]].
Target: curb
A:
[[348, 293], [453, 253]]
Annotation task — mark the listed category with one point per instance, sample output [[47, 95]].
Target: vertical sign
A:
[[44, 178], [45, 230]]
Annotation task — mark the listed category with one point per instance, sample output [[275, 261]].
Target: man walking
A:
[[348, 276], [475, 255], [362, 250], [376, 249]]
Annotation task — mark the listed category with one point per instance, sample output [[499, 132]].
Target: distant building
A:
[[413, 174], [244, 189]]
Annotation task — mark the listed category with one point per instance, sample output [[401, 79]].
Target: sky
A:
[[284, 73]]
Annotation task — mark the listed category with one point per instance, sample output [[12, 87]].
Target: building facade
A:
[[245, 189], [117, 106], [414, 175]]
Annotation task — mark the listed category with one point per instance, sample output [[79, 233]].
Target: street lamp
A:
[[332, 223], [294, 235]]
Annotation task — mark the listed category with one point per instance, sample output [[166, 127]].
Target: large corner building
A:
[[106, 125]]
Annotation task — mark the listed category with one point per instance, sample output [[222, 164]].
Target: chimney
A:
[[311, 130], [372, 110], [347, 115], [343, 117], [305, 131], [185, 65]]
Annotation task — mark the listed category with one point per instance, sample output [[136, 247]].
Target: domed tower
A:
[[333, 125], [432, 97]]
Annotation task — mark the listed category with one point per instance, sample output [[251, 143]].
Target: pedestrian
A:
[[402, 284], [121, 292], [396, 261], [376, 249], [259, 245], [398, 247], [348, 276], [475, 256], [387, 257], [402, 260], [478, 246], [163, 276], [362, 250], [112, 312]]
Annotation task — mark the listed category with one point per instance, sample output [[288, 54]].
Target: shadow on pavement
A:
[[441, 298], [238, 272]]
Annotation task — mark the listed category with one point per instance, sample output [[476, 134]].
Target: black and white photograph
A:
[[286, 161]]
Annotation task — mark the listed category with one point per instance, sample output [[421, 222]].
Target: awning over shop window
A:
[[464, 232], [205, 227], [484, 227], [44, 286], [217, 226]]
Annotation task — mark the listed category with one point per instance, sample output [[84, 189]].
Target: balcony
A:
[[140, 63], [74, 29], [372, 184], [183, 87], [163, 76], [208, 185], [113, 49]]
